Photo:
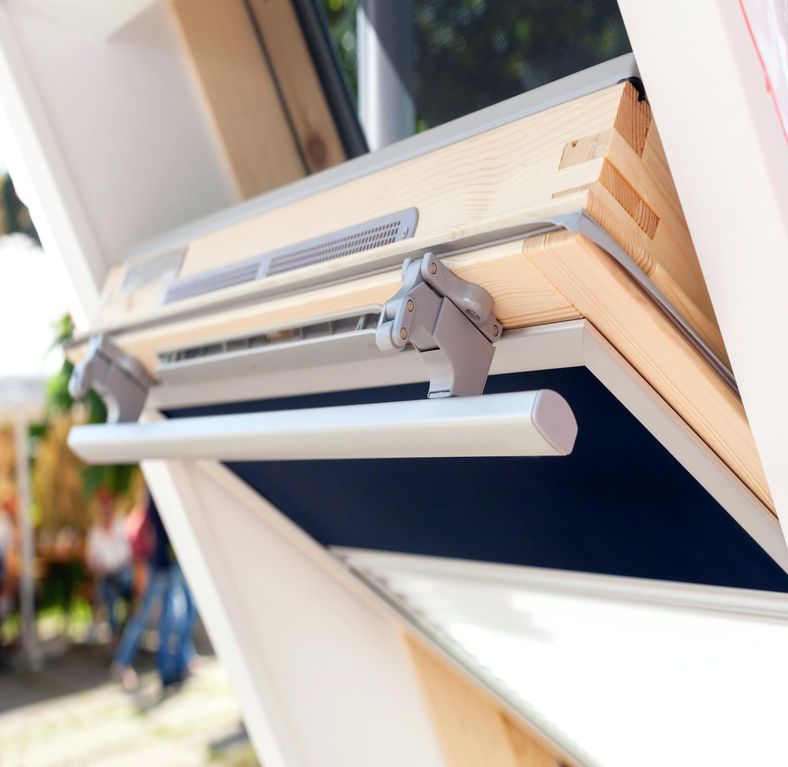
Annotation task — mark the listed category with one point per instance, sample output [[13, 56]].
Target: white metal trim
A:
[[736, 209], [41, 173], [670, 430], [543, 347], [688, 596], [384, 54], [268, 726]]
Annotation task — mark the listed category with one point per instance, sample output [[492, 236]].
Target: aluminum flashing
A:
[[582, 223], [367, 235]]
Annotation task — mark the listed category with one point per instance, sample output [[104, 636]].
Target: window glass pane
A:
[[627, 672], [341, 18], [473, 53], [464, 55]]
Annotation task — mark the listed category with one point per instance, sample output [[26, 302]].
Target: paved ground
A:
[[69, 714]]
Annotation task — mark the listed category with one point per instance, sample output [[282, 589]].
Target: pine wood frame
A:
[[600, 153], [261, 88]]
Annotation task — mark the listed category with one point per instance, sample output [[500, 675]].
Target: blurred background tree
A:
[[341, 17], [473, 53], [63, 487], [7, 474], [14, 215], [63, 411]]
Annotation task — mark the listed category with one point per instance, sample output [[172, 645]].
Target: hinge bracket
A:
[[448, 320], [119, 379]]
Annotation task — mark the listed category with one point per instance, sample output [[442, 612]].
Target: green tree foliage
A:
[[117, 478], [14, 216], [473, 53], [341, 17]]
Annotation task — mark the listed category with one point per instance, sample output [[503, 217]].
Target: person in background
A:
[[6, 542], [176, 648], [142, 538], [6, 539], [159, 578], [108, 555]]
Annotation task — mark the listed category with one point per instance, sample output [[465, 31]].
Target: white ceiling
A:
[[98, 18]]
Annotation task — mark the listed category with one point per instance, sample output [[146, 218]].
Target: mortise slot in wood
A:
[[573, 190], [585, 149], [633, 119], [624, 193]]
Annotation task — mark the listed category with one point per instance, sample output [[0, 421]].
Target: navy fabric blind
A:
[[619, 505]]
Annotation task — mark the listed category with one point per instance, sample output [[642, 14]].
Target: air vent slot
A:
[[336, 340], [216, 279], [344, 242], [371, 234]]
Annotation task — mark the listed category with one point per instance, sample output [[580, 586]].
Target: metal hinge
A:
[[120, 381], [448, 320]]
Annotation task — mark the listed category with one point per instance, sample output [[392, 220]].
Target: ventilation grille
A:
[[216, 279], [324, 329], [345, 242], [373, 234]]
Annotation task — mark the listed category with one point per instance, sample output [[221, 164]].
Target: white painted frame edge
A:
[[267, 723], [729, 160], [686, 596], [670, 430], [43, 177], [279, 741]]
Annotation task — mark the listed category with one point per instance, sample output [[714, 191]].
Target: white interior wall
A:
[[125, 145], [323, 678], [96, 17], [729, 158]]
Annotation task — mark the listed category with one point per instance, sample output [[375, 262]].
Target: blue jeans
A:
[[155, 594], [112, 588], [176, 648]]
